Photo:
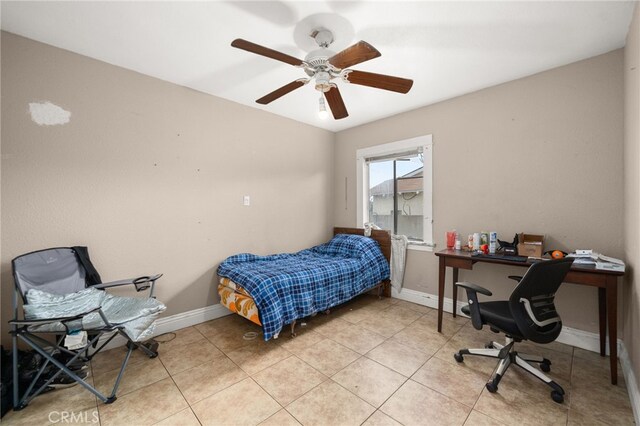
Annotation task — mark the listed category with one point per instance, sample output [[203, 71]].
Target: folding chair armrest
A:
[[141, 283], [19, 322], [472, 298]]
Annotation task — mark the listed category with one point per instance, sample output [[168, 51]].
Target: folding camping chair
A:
[[60, 271]]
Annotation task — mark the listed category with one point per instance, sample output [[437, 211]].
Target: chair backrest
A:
[[54, 270], [532, 301]]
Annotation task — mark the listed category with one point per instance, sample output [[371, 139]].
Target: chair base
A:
[[507, 356]]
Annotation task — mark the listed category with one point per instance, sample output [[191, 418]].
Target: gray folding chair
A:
[[59, 271]]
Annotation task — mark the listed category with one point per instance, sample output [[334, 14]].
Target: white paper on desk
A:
[[608, 266], [602, 257]]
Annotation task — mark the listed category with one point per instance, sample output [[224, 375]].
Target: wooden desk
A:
[[605, 281]]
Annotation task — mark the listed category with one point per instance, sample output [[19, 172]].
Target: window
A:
[[395, 188]]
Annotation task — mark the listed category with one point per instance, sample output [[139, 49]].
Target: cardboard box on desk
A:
[[530, 245]]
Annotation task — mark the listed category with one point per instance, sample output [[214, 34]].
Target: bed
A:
[[276, 290]]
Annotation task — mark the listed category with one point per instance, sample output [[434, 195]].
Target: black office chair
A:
[[529, 314]]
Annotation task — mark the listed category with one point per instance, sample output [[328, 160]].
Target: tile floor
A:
[[372, 361]]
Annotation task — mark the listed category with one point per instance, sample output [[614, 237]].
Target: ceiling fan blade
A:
[[282, 91], [379, 81], [265, 51], [358, 53], [336, 104]]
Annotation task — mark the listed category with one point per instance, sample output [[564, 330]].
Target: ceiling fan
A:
[[323, 65]]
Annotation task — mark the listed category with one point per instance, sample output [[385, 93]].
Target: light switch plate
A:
[[246, 200]]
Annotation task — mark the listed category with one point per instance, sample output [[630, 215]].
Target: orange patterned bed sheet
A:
[[237, 300]]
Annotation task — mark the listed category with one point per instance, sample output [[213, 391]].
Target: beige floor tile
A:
[[145, 406], [330, 326], [476, 418], [54, 416], [72, 400], [451, 380], [181, 418], [327, 356], [473, 338], [604, 402], [182, 358], [357, 338], [182, 337], [206, 379], [403, 315], [450, 326], [383, 324], [244, 403], [369, 380], [581, 418], [427, 341], [415, 404], [330, 404], [135, 376], [513, 406], [281, 418], [380, 419], [305, 337], [258, 356], [415, 307], [594, 370], [357, 314], [538, 348], [398, 357], [289, 379], [227, 333], [110, 360]]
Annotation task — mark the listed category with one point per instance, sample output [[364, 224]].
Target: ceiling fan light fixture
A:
[[322, 109]]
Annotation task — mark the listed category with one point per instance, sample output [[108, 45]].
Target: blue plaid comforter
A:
[[286, 287]]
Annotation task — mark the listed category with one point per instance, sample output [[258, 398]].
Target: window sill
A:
[[420, 247]]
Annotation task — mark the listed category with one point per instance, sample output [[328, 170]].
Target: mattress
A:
[[237, 300], [289, 286]]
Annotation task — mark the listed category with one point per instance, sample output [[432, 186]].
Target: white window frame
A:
[[362, 181]]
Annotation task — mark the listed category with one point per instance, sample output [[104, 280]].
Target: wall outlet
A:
[[246, 200]]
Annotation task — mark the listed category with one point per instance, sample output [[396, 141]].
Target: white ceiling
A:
[[447, 48]]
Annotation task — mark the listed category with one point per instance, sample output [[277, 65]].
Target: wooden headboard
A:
[[382, 237]]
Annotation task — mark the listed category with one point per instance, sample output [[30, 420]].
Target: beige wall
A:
[[542, 154], [632, 190], [151, 175]]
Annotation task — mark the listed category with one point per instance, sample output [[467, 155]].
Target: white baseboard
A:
[[570, 336], [176, 322], [632, 383]]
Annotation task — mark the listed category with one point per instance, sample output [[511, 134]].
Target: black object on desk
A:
[[501, 257]]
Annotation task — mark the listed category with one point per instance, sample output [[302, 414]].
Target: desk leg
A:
[[441, 275], [612, 320], [455, 291], [602, 308]]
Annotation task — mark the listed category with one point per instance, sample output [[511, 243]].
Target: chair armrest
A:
[[515, 277], [474, 287], [44, 321], [472, 298], [141, 283]]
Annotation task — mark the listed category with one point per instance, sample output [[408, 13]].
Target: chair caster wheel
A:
[[458, 357], [557, 397], [489, 346], [492, 387], [545, 365]]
